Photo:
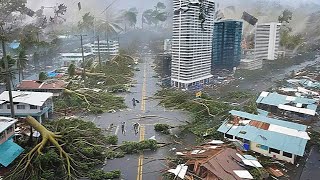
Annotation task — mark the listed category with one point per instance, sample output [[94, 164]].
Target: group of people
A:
[[135, 125], [135, 128]]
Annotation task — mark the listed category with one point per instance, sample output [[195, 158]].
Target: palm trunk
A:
[[22, 75]]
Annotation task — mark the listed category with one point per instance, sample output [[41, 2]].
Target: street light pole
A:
[[83, 62], [8, 77], [100, 64]]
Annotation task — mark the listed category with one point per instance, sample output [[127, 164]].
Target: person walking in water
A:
[[134, 102], [136, 128], [123, 130]]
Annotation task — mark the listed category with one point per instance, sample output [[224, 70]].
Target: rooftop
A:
[[290, 103], [278, 134], [32, 84], [6, 122], [32, 98], [9, 152], [221, 163]]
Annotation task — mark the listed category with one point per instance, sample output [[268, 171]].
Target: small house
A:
[[296, 108], [53, 86], [9, 150], [36, 104], [275, 138]]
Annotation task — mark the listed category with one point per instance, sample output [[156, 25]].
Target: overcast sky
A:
[[97, 6]]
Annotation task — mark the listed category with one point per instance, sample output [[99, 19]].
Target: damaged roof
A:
[[32, 98], [282, 135], [290, 103], [221, 163], [32, 84]]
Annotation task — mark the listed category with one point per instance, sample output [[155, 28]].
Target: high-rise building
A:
[[106, 47], [267, 41], [167, 46], [192, 42], [226, 43]]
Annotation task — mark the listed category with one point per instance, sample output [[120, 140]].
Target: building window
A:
[[21, 107], [263, 147], [228, 136], [10, 129], [286, 154], [8, 106], [2, 135], [33, 107], [1, 106], [271, 150]]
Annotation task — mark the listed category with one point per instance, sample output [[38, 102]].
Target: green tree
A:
[[42, 76], [156, 15], [69, 149], [160, 5], [11, 73], [87, 22], [71, 70], [130, 17], [22, 62], [286, 16]]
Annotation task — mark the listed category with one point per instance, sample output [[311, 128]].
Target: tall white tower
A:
[[267, 41], [193, 22]]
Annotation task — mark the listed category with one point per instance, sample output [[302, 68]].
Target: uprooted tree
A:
[[68, 149]]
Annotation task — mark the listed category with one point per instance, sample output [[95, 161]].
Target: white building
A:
[[74, 58], [35, 104], [192, 42], [110, 47], [267, 41], [167, 46]]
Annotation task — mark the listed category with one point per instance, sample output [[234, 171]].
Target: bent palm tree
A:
[[22, 62], [130, 17]]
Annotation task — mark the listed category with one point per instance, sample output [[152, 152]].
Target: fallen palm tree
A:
[[89, 100], [68, 149]]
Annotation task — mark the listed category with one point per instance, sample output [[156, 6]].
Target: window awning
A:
[[9, 152]]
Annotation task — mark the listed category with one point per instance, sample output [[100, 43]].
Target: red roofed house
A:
[[54, 86]]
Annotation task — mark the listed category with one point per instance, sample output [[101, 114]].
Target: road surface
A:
[[147, 112]]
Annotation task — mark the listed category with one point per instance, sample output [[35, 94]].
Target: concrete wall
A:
[[255, 147], [7, 134], [27, 110], [4, 110]]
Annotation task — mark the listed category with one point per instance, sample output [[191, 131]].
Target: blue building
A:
[[271, 137], [9, 150], [226, 44]]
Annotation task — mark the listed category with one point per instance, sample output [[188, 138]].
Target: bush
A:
[[113, 139], [164, 128], [101, 175]]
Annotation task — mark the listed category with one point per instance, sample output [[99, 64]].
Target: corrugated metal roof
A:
[[277, 140], [276, 99], [6, 122], [265, 119], [32, 98], [9, 152]]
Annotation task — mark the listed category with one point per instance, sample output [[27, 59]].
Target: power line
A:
[[108, 6]]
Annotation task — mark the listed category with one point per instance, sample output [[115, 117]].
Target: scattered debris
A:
[[180, 171]]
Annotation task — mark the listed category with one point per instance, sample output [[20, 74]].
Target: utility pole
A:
[[100, 64], [8, 77], [83, 62]]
